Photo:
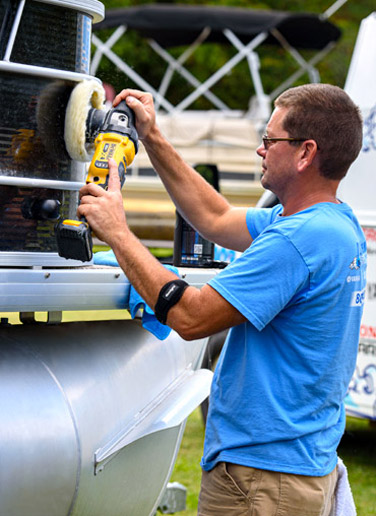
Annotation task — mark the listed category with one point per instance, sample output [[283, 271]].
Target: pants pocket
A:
[[245, 479], [306, 496], [220, 495]]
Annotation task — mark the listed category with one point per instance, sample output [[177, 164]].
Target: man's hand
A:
[[103, 209], [143, 106]]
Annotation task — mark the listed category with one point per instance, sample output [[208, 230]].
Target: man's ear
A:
[[307, 153]]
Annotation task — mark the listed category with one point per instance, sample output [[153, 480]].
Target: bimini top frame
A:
[[166, 26]]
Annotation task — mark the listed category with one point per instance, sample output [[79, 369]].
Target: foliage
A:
[[236, 87]]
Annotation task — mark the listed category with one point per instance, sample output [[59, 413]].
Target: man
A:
[[293, 300]]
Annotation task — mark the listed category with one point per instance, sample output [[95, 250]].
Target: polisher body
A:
[[110, 145]]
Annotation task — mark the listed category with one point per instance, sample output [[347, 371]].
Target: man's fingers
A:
[[88, 199], [94, 190], [137, 100], [126, 93], [114, 179], [91, 189]]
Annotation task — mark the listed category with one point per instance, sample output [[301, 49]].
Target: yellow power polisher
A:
[[111, 134]]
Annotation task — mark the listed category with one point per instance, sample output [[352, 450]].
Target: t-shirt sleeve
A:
[[264, 279], [260, 218]]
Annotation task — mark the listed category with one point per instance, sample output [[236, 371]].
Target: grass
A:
[[357, 450], [187, 469]]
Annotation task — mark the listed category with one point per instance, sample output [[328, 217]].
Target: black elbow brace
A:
[[169, 295]]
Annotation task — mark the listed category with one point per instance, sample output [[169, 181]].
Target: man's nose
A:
[[261, 151]]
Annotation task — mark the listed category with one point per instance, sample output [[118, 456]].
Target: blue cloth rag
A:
[[135, 301]]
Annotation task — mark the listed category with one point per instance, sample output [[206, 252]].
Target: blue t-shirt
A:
[[277, 394]]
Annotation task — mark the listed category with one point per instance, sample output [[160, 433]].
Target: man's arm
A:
[[196, 200], [199, 313]]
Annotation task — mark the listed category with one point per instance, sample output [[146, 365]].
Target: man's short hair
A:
[[326, 114]]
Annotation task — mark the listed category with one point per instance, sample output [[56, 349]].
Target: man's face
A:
[[278, 163]]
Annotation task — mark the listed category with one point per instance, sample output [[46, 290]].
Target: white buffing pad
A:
[[86, 95]]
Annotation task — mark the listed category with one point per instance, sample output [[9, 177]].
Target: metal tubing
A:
[[40, 71], [67, 289], [312, 72], [221, 72], [176, 65], [253, 62], [36, 260], [288, 82], [28, 182], [332, 9], [13, 34], [254, 66]]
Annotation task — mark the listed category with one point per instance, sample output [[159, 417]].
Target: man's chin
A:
[[266, 185], [264, 182]]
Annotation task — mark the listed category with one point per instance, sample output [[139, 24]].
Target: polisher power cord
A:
[[115, 137]]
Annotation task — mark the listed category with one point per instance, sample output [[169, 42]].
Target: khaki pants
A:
[[232, 490]]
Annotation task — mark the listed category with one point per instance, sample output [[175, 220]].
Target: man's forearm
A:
[[196, 200]]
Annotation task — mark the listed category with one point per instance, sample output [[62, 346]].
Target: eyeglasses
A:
[[268, 141]]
